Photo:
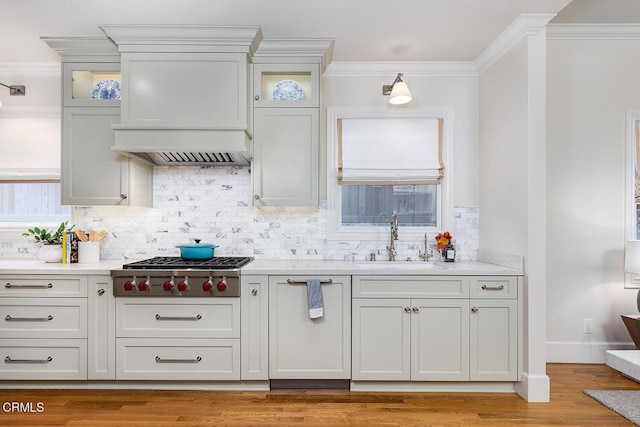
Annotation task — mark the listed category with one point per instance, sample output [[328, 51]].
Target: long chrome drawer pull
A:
[[8, 318], [304, 282], [492, 288], [196, 317], [10, 360], [161, 360], [47, 286]]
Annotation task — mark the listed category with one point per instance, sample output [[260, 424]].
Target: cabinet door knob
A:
[[474, 309], [407, 310], [254, 292], [415, 309], [123, 196], [100, 292], [257, 97], [255, 196]]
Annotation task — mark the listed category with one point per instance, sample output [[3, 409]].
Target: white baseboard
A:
[[534, 388], [582, 352]]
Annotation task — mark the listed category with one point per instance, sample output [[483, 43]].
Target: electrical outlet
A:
[[297, 239], [588, 326]]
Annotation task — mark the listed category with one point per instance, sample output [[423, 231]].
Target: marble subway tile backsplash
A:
[[214, 204]]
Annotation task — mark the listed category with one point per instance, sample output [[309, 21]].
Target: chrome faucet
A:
[[394, 236], [426, 255]]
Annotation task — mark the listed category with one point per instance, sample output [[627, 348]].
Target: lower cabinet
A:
[[466, 331], [254, 328], [305, 348], [178, 339], [101, 339]]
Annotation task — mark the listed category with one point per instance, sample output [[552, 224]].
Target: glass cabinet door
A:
[[86, 84], [286, 85]]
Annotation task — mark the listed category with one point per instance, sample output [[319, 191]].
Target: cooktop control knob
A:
[[130, 285], [183, 286], [168, 285], [207, 286], [143, 286], [222, 285]]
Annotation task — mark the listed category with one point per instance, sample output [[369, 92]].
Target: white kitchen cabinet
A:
[[410, 339], [101, 337], [286, 87], [305, 348], [254, 327], [496, 337], [44, 327], [93, 174], [178, 339], [285, 157], [447, 328]]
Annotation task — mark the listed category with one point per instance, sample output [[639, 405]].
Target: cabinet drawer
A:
[[177, 359], [179, 318], [410, 286], [494, 287], [43, 318], [43, 359], [46, 285]]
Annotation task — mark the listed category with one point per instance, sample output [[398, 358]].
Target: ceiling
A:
[[363, 30]]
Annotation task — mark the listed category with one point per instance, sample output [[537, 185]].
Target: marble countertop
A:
[[283, 266]]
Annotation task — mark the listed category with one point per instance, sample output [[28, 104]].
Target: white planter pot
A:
[[50, 253]]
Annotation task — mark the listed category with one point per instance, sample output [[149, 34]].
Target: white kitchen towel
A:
[[314, 298]]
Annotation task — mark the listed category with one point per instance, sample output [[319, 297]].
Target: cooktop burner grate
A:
[[215, 263]]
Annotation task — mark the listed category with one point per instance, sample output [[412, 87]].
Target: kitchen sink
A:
[[417, 264]]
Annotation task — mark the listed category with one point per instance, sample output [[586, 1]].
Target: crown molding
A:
[[593, 32], [316, 50], [386, 69], [526, 25], [29, 69]]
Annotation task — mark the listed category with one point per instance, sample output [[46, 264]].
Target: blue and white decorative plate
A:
[[288, 90], [106, 89]]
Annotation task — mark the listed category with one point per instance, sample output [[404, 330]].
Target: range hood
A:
[[184, 98]]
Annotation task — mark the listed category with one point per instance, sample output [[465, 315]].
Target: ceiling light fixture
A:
[[398, 91], [14, 90]]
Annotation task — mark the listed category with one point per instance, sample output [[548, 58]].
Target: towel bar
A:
[[304, 282]]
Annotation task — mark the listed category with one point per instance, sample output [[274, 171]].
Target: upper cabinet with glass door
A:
[[91, 84], [286, 85]]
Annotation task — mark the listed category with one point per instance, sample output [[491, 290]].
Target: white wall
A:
[[591, 84], [429, 91]]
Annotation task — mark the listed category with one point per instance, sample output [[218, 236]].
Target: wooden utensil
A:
[[82, 236]]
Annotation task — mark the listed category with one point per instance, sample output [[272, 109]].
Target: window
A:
[[380, 161], [28, 202]]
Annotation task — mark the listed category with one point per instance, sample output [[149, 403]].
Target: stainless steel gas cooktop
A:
[[180, 277]]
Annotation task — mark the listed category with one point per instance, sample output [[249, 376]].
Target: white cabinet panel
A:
[[101, 336], [304, 348], [285, 150], [254, 336], [494, 340], [179, 318], [178, 359], [43, 318], [440, 340], [43, 286], [381, 339], [43, 359]]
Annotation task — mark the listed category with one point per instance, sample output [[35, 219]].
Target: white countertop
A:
[[283, 266]]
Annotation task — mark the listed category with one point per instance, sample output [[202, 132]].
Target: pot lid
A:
[[197, 244]]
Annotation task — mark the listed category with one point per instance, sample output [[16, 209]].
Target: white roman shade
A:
[[391, 151], [29, 145]]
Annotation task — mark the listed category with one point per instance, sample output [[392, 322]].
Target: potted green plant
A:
[[50, 241]]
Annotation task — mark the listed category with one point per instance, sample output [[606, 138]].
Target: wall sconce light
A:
[[398, 91], [14, 90]]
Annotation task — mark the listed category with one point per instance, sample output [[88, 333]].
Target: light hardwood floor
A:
[[568, 406]]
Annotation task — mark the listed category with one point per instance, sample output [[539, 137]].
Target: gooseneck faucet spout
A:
[[394, 236]]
